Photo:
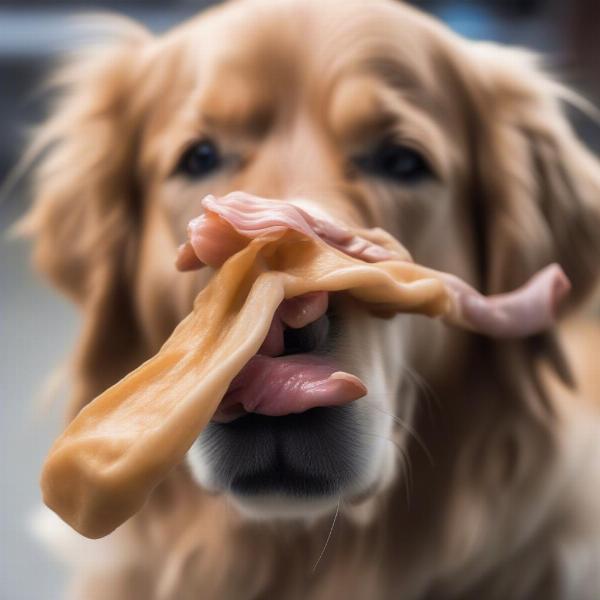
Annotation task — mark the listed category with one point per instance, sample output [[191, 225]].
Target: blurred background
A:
[[37, 328]]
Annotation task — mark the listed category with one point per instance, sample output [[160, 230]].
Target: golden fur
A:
[[498, 499]]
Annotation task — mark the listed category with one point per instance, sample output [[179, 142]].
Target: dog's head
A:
[[374, 114]]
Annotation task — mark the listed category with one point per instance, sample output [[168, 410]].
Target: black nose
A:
[[309, 454]]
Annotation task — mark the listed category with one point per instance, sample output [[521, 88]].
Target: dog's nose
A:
[[304, 455]]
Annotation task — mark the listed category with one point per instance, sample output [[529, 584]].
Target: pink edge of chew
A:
[[186, 259], [525, 311], [250, 216]]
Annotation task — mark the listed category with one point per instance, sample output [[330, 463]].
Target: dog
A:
[[471, 468]]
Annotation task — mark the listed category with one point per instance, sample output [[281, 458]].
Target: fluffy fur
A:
[[500, 439]]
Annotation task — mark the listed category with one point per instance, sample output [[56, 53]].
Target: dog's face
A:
[[373, 114], [329, 111]]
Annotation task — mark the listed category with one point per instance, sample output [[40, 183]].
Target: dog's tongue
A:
[[288, 384], [275, 385]]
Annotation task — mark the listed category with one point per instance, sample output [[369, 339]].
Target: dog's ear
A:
[[537, 195], [84, 218]]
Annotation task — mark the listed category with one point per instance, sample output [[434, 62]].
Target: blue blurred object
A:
[[474, 21]]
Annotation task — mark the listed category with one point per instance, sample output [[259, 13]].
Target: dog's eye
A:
[[395, 162], [200, 159]]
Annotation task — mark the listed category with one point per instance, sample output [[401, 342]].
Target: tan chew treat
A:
[[100, 471]]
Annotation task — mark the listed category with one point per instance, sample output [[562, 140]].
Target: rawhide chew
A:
[[100, 471]]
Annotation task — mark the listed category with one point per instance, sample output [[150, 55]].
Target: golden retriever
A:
[[472, 468]]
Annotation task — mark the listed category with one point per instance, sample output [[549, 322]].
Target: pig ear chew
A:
[[100, 471]]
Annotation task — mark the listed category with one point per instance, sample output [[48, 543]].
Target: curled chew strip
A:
[[100, 471], [230, 222]]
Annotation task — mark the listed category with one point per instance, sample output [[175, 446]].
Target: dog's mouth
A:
[[291, 373], [288, 439], [288, 426]]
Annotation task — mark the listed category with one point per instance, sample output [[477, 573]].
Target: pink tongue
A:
[[287, 384], [276, 385]]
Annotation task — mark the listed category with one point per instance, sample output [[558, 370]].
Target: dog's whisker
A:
[[404, 461], [410, 430], [335, 516], [422, 385]]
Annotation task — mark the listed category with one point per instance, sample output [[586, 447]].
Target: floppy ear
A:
[[84, 219], [538, 190]]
